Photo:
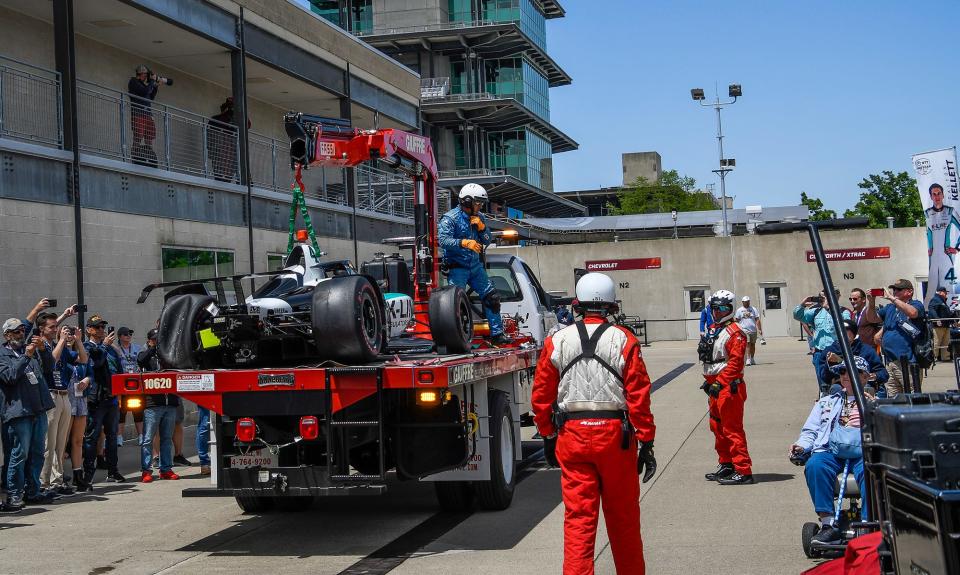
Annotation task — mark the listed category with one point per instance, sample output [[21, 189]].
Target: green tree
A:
[[888, 194], [815, 205], [671, 192]]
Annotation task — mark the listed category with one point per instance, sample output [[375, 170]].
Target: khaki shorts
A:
[[751, 337]]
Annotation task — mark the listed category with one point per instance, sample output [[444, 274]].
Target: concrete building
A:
[[666, 282], [486, 75], [87, 211], [644, 165]]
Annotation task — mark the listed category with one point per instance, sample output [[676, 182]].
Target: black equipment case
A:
[[391, 268]]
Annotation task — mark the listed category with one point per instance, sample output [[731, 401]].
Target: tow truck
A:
[[443, 407]]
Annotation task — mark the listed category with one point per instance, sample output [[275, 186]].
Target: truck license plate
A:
[[258, 458]]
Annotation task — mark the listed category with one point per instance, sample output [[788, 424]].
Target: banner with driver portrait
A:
[[937, 184]]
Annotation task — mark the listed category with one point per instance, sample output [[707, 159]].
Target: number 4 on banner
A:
[[951, 276]]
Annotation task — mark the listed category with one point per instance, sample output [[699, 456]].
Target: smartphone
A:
[[52, 302], [81, 308], [111, 329], [877, 292]]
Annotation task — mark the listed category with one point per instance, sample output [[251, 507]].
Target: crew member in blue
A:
[[463, 236]]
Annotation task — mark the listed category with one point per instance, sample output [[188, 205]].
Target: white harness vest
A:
[[585, 384]]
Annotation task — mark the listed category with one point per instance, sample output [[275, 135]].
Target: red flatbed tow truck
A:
[[282, 436]]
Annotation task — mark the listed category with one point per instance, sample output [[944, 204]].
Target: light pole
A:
[[673, 214], [726, 164]]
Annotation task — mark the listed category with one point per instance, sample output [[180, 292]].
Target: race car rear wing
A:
[[199, 288]]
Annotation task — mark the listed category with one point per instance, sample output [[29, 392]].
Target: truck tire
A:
[[454, 496], [181, 318], [294, 504], [497, 493], [254, 504], [451, 322], [348, 320]]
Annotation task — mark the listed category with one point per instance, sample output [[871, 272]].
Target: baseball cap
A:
[[124, 331], [96, 321], [861, 363], [901, 284], [941, 288], [745, 298], [12, 324], [152, 334], [851, 325]]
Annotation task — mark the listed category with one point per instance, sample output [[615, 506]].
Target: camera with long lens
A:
[[161, 79]]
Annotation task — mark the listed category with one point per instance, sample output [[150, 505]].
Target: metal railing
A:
[[384, 192], [159, 136], [30, 103], [471, 173], [432, 27], [434, 87]]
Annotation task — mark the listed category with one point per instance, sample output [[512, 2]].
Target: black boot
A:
[[723, 471], [737, 479], [80, 482]]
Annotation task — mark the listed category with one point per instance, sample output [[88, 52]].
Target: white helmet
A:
[[722, 301], [474, 192], [596, 290]]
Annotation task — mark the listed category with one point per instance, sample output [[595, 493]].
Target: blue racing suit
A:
[[465, 265]]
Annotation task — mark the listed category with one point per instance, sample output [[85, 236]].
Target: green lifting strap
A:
[[300, 202]]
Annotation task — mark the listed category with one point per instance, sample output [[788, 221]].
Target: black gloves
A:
[[550, 451], [645, 459], [712, 389]]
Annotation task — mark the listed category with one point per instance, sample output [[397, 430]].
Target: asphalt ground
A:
[[690, 526]]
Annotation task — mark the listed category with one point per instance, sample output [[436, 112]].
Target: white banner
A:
[[939, 193]]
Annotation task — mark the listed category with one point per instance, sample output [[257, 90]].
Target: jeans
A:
[[820, 358], [203, 435], [27, 436], [103, 415], [477, 278], [821, 473], [5, 441], [157, 418]]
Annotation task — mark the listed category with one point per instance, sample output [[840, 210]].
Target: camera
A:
[[52, 301], [161, 80]]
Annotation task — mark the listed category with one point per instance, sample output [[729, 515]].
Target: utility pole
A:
[[726, 164]]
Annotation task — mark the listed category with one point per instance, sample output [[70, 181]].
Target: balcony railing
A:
[[470, 173], [430, 27], [434, 87], [30, 103], [161, 136], [170, 138]]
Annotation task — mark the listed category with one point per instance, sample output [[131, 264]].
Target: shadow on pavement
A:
[[772, 477]]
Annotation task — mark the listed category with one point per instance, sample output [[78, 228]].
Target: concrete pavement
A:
[[689, 525]]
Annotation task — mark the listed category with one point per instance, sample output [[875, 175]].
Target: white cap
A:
[[745, 298], [11, 324]]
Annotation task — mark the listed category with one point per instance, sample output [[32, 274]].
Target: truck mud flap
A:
[[432, 442]]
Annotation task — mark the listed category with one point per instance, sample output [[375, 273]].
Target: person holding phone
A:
[[814, 312], [103, 407], [902, 322]]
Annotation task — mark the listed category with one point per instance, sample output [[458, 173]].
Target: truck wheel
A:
[[254, 504], [806, 538], [454, 496], [347, 319], [451, 323], [497, 493], [294, 504], [182, 317]]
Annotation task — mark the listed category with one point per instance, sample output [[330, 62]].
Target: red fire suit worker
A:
[[591, 402], [722, 349]]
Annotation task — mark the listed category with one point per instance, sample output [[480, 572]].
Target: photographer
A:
[[142, 89], [814, 312], [102, 406]]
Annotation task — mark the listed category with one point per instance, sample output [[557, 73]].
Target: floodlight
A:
[[735, 91], [697, 94]]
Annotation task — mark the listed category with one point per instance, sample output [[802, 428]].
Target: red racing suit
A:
[[595, 468], [726, 410]]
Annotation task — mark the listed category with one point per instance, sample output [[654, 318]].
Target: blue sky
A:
[[833, 90]]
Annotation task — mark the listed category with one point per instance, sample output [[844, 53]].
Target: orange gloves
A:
[[476, 222], [472, 245]]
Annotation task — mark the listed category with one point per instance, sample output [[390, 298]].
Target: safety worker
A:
[[722, 349], [591, 403], [463, 237]]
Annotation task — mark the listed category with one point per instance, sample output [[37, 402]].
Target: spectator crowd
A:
[[57, 408]]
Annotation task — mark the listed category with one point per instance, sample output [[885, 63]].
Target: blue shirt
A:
[[822, 323], [705, 319], [65, 367], [455, 226], [897, 342]]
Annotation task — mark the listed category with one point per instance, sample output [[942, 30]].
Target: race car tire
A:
[[496, 494], [255, 504], [348, 319], [177, 341], [451, 322]]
